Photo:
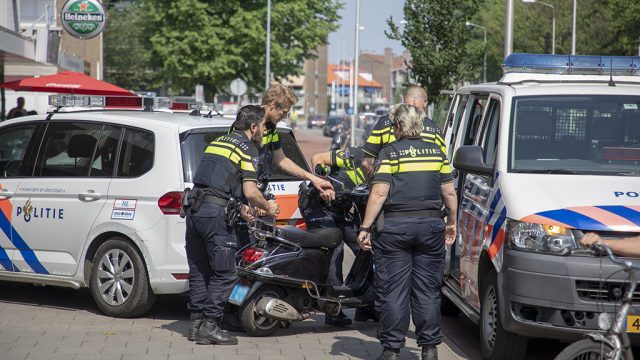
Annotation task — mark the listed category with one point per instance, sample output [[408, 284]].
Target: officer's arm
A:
[[292, 168], [450, 200], [251, 192], [323, 158], [379, 193]]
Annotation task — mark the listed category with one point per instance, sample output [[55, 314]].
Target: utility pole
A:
[[267, 78], [356, 73], [508, 34], [573, 29]]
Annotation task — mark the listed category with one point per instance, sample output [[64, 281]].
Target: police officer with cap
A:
[[412, 179], [226, 173]]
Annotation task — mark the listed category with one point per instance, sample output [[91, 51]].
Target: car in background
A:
[[331, 125], [315, 120]]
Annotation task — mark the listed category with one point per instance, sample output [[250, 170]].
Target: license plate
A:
[[240, 292], [633, 323]]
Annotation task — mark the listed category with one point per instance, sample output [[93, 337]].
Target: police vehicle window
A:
[[455, 121], [13, 147], [136, 153], [490, 132], [590, 134], [67, 149], [104, 160], [291, 149], [475, 115]]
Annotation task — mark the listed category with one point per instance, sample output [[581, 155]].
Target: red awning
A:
[[68, 82]]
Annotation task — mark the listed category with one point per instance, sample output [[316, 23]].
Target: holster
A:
[[232, 212]]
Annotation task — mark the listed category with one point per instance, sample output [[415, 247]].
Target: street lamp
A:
[[267, 78], [356, 73], [484, 60], [553, 21]]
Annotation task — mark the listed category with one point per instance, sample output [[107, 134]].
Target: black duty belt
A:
[[216, 200], [414, 213]]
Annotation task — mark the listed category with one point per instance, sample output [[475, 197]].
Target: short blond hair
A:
[[408, 119], [282, 96]]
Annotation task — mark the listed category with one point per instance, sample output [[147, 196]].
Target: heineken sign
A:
[[83, 19]]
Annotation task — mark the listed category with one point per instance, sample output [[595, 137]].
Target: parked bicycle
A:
[[614, 343]]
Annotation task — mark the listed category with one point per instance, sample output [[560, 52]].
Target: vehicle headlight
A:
[[547, 239]]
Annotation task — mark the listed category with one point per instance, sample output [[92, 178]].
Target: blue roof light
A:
[[572, 64]]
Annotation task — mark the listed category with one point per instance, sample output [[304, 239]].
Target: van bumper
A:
[[557, 297]]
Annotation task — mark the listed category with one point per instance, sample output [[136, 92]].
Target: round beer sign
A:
[[83, 19]]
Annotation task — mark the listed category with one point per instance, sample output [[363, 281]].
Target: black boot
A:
[[366, 314], [210, 333], [389, 354], [231, 322], [429, 352], [340, 320], [196, 320]]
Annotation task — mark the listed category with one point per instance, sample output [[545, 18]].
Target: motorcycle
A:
[[283, 274], [341, 137]]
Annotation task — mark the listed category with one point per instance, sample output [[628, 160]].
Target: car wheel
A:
[[252, 322], [496, 342], [119, 280]]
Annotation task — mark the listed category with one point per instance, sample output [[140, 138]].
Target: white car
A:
[[92, 199]]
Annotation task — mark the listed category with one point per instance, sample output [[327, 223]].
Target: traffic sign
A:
[[238, 87]]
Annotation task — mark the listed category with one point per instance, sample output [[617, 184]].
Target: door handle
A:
[[89, 195], [5, 195]]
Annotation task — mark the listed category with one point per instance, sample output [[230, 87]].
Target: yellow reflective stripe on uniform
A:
[[374, 139], [381, 131], [389, 138], [232, 147], [270, 137], [247, 166], [384, 169], [229, 154], [420, 166], [446, 168]]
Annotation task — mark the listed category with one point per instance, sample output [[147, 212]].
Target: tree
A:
[[435, 35], [213, 42], [126, 54]]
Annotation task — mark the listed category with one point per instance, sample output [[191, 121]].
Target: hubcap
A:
[[490, 318], [115, 277]]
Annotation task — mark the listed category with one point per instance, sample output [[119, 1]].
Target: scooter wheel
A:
[[254, 323]]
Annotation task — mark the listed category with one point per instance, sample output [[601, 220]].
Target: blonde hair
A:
[[408, 119], [282, 96]]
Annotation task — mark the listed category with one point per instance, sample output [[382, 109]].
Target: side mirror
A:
[[468, 159]]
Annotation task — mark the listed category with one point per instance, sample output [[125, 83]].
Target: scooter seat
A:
[[314, 238]]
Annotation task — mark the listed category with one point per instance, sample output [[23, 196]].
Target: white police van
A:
[[92, 198], [546, 154]]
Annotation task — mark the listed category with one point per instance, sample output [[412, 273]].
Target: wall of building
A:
[[315, 80]]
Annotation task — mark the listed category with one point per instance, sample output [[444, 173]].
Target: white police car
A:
[[92, 198], [549, 152]]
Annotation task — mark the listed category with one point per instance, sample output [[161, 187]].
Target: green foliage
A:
[[213, 42], [435, 35]]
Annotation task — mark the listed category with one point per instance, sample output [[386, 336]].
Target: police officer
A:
[[344, 166], [412, 179], [383, 132], [226, 173]]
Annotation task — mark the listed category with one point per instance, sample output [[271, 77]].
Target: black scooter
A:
[[283, 274]]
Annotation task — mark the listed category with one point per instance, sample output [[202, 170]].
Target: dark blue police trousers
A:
[[409, 256], [211, 247]]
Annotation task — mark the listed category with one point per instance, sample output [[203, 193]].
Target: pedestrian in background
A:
[[18, 111], [412, 179], [225, 174]]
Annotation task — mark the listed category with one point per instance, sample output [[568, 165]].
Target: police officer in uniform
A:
[[383, 132], [226, 173], [412, 179]]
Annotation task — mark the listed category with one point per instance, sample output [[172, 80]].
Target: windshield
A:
[[196, 141], [591, 134]]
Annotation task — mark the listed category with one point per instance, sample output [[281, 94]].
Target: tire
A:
[[130, 294], [254, 324], [585, 349], [495, 341], [447, 307]]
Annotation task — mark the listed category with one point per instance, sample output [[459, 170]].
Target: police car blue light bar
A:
[[572, 64]]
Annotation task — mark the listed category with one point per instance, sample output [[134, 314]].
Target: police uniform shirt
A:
[[414, 169], [383, 134], [270, 142], [347, 162], [228, 161]]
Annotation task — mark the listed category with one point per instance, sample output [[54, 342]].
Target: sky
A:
[[373, 16]]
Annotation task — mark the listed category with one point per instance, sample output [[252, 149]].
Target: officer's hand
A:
[[246, 213], [325, 188], [364, 240], [450, 235], [261, 213], [589, 239], [274, 209]]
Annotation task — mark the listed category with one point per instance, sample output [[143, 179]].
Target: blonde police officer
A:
[[412, 179]]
